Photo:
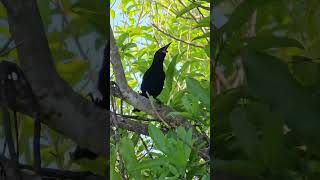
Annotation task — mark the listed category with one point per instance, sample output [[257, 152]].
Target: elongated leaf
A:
[[187, 9], [113, 175], [269, 79], [207, 49], [195, 88], [152, 163], [129, 157], [241, 14], [121, 39], [273, 141], [239, 167], [158, 138], [72, 71], [306, 72], [245, 133], [94, 12], [128, 46], [202, 36], [205, 22], [171, 71], [266, 42]]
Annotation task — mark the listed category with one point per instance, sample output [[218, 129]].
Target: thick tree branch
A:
[[61, 108]]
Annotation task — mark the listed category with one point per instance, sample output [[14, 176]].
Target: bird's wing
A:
[[146, 78]]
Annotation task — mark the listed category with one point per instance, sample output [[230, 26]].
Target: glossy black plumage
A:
[[102, 102], [103, 82], [153, 78]]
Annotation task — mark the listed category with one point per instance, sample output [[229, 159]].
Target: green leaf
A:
[[126, 149], [121, 39], [305, 72], [44, 9], [195, 109], [205, 22], [112, 13], [171, 71], [266, 42], [207, 49], [207, 34], [241, 14], [186, 9], [4, 31], [238, 167], [195, 88], [225, 102], [152, 163], [205, 177], [72, 71], [94, 12], [245, 133], [269, 80], [158, 138], [179, 155], [186, 103], [273, 141], [3, 12], [113, 175], [128, 46]]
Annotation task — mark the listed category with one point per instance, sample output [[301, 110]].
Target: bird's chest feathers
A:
[[156, 71]]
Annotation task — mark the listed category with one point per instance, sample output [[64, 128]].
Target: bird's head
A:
[[163, 51]]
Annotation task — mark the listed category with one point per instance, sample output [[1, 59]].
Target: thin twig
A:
[[6, 45], [9, 140], [195, 19], [11, 8], [117, 138], [139, 118], [155, 110], [173, 37], [5, 52], [75, 37], [146, 147]]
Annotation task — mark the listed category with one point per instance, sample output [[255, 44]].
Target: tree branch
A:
[[60, 107], [28, 173]]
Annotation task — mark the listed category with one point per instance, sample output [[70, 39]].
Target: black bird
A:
[[102, 99], [153, 78], [102, 102]]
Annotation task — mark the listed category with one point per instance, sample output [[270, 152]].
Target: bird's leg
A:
[[144, 94], [157, 100]]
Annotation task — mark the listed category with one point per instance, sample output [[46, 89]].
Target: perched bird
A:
[[153, 78], [102, 101], [101, 97]]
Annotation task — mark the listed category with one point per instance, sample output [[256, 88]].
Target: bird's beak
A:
[[165, 48]]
